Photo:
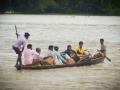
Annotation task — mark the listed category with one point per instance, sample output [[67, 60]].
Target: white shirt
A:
[[50, 53], [103, 47], [20, 42]]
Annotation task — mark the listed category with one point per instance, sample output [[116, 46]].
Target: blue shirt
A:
[[59, 57]]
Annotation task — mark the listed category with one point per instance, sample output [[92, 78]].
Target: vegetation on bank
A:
[[89, 7]]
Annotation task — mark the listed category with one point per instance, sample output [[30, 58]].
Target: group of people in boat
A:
[[53, 56]]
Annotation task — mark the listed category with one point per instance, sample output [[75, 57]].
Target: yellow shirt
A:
[[80, 51]]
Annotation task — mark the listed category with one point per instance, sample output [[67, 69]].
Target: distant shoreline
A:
[[72, 14]]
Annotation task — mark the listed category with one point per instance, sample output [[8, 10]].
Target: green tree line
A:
[[100, 7]]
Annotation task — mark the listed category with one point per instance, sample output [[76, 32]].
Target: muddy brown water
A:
[[61, 30]]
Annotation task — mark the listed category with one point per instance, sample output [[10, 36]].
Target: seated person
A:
[[103, 47], [50, 51], [68, 59], [81, 50], [49, 58], [102, 51], [72, 53], [28, 55], [58, 58], [37, 56]]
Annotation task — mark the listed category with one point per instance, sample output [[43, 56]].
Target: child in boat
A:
[[37, 56], [102, 51], [81, 50]]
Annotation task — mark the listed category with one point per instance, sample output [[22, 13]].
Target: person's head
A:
[[101, 40], [69, 47], [26, 35], [81, 44], [50, 47], [56, 48], [38, 50], [29, 46]]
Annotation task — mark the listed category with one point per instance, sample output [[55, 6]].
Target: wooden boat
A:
[[83, 62]]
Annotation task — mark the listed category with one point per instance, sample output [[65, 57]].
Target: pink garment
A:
[[36, 56], [28, 57], [20, 42]]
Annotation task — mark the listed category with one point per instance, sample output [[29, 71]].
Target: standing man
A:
[[19, 45]]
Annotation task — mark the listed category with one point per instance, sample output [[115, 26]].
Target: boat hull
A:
[[84, 62]]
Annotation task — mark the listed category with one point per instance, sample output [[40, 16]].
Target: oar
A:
[[16, 31], [108, 58]]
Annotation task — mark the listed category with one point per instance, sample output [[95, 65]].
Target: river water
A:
[[61, 30]]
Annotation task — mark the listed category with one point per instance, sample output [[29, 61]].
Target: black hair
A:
[[27, 34], [29, 46], [102, 39], [50, 47], [68, 46], [56, 48], [38, 49], [81, 42]]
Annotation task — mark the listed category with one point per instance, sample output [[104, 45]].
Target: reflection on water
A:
[[61, 31]]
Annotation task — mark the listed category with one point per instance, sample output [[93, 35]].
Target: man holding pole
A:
[[19, 45]]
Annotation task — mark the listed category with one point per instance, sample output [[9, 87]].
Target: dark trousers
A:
[[17, 51]]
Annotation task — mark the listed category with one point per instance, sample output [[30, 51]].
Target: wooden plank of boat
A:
[[83, 62]]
